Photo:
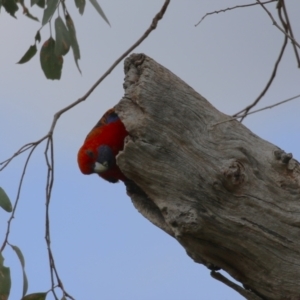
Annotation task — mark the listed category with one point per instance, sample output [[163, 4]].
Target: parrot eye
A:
[[89, 153]]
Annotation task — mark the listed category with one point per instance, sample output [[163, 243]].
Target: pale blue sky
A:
[[104, 249]]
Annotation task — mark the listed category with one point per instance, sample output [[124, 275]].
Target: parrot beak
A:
[[100, 168]]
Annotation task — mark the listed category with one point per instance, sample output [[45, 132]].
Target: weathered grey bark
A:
[[230, 198]]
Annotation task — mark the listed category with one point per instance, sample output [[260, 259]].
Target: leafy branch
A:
[[56, 282], [53, 50]]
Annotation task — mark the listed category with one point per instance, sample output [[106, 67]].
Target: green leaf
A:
[[49, 11], [99, 10], [38, 37], [62, 35], [26, 11], [80, 4], [22, 261], [30, 16], [5, 282], [10, 6], [30, 53], [51, 63], [5, 202], [74, 43], [40, 3], [35, 296]]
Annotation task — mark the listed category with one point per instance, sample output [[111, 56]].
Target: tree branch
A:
[[244, 112], [49, 155], [259, 110], [275, 24], [231, 8], [247, 294], [17, 197], [288, 24]]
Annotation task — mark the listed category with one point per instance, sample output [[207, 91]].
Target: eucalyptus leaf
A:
[[5, 202], [99, 10], [41, 3], [5, 281], [35, 296], [62, 35], [74, 43], [10, 6], [22, 261], [50, 62], [30, 53], [80, 4], [38, 36], [49, 10], [30, 16]]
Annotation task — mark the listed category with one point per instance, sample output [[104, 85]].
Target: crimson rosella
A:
[[102, 144]]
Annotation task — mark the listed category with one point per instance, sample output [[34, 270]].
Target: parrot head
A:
[[98, 162]]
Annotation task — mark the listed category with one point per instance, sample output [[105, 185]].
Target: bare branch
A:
[[275, 24], [259, 110], [247, 294], [49, 155], [291, 32], [231, 8], [152, 27], [24, 148], [273, 105], [244, 112], [17, 199]]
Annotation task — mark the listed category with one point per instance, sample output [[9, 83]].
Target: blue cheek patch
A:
[[105, 154]]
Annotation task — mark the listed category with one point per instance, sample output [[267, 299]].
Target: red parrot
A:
[[101, 146]]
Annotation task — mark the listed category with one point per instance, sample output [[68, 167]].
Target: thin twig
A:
[[152, 26], [244, 112], [24, 148], [275, 24], [258, 110], [247, 294], [273, 105], [49, 185], [291, 32], [17, 199], [231, 8]]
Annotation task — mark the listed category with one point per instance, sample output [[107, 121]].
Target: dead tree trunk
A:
[[230, 198]]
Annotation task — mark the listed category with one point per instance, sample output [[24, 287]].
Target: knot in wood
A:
[[285, 160], [282, 156], [233, 175]]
